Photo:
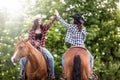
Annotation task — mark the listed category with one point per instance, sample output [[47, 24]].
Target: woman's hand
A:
[[36, 43], [56, 12]]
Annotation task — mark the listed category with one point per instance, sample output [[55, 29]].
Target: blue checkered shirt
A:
[[73, 36]]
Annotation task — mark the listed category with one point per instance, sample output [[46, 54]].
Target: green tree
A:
[[103, 34]]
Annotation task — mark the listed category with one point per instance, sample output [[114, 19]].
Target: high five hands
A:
[[56, 12]]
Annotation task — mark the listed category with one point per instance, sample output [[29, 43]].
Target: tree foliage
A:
[[103, 34]]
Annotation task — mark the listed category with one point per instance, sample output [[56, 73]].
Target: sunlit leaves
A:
[[103, 34]]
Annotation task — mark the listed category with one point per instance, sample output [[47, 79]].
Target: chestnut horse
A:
[[36, 68], [76, 64]]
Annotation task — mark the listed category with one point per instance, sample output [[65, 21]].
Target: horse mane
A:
[[28, 42]]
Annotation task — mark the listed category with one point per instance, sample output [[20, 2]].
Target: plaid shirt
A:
[[73, 36], [44, 31]]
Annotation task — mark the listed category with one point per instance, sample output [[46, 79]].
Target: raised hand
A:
[[56, 12]]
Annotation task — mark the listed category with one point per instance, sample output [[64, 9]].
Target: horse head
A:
[[21, 50]]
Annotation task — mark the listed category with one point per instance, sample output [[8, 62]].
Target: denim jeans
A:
[[91, 60], [50, 61], [22, 64]]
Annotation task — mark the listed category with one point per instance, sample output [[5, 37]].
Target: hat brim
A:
[[72, 16], [80, 20]]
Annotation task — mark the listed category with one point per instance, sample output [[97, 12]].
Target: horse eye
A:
[[20, 47]]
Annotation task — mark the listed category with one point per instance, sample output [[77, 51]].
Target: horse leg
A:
[[28, 78], [44, 78], [86, 71], [67, 73], [68, 77]]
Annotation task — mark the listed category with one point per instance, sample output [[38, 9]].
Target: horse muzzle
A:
[[15, 60]]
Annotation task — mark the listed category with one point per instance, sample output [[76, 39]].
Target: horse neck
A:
[[34, 57]]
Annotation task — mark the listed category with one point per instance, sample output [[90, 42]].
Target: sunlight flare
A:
[[11, 6]]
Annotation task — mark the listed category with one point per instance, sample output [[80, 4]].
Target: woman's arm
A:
[[61, 19], [47, 26], [84, 33]]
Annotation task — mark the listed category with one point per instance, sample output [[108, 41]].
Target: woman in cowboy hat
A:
[[76, 33]]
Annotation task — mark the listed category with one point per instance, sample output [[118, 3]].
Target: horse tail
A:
[[77, 72]]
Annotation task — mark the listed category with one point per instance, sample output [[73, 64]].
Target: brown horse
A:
[[77, 64], [36, 68]]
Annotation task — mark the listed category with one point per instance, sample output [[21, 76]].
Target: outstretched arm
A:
[[84, 33], [61, 19], [47, 26]]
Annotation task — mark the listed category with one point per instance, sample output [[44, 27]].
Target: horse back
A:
[[84, 57], [71, 52]]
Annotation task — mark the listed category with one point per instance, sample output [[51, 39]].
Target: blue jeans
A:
[[91, 60], [50, 61], [22, 64]]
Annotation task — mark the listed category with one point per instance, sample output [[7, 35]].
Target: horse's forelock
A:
[[20, 42]]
